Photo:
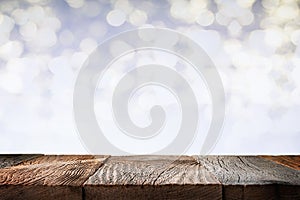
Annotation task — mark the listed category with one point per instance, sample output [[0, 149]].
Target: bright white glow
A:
[[295, 37], [51, 22], [45, 38], [91, 8], [222, 19], [75, 3], [20, 16], [274, 37], [232, 46], [28, 31], [116, 18], [6, 23], [124, 6], [234, 28], [11, 82], [205, 18], [77, 59], [245, 3], [246, 18], [254, 44], [36, 14], [88, 45], [16, 65], [287, 12], [138, 17], [11, 49]]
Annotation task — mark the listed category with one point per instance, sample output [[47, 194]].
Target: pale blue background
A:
[[254, 44]]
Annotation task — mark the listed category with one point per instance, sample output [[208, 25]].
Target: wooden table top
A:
[[149, 177]]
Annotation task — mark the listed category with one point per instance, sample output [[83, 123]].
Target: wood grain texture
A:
[[149, 177], [152, 177], [46, 171], [289, 161], [11, 160], [250, 177]]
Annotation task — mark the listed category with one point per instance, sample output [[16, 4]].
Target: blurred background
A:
[[255, 46]]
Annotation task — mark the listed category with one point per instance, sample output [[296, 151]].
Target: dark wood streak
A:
[[251, 177], [152, 177], [11, 160]]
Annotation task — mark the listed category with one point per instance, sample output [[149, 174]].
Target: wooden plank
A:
[[250, 177], [41, 175], [11, 160], [39, 192], [152, 177], [289, 161]]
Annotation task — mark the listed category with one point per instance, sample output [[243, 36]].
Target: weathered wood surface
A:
[[251, 177], [152, 177], [65, 173], [149, 177], [289, 161], [11, 160]]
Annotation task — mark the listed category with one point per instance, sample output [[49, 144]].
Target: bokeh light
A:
[[254, 44]]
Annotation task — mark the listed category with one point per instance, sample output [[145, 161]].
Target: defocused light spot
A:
[[75, 3], [232, 46], [6, 23], [66, 37], [287, 12], [20, 16], [245, 3], [46, 37], [28, 31], [51, 22], [205, 18], [37, 1], [246, 19], [116, 18], [269, 22], [8, 6], [11, 49], [16, 65], [242, 59], [222, 19], [270, 4], [274, 37], [78, 59], [11, 82], [295, 37], [234, 28], [4, 37], [256, 41], [184, 11], [57, 65], [124, 6], [91, 8], [138, 17], [198, 4], [88, 45], [36, 14]]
